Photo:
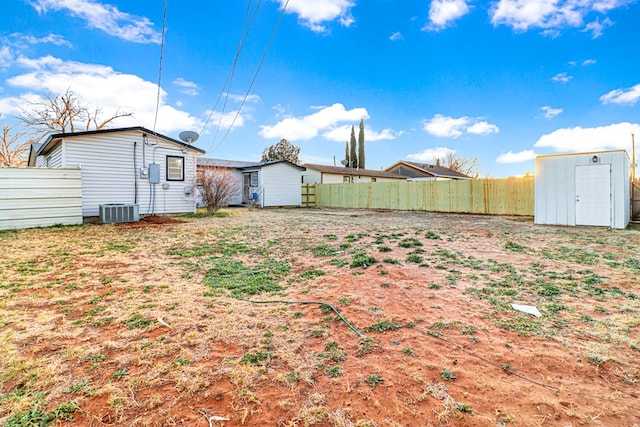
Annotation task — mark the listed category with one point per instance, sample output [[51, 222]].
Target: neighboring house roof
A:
[[54, 137], [352, 171], [235, 164], [33, 150], [429, 169]]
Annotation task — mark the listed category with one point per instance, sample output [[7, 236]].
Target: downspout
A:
[[135, 174]]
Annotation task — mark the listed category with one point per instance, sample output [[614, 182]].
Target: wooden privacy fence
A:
[[635, 200], [510, 196], [38, 197], [308, 195]]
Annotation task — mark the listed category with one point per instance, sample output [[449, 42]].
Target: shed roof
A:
[[352, 171], [143, 130], [431, 169], [237, 164]]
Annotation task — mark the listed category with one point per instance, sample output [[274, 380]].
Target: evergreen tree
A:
[[352, 155], [361, 162], [346, 154]]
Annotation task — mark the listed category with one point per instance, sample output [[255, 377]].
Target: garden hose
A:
[[324, 304]]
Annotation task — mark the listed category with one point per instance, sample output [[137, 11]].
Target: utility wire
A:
[[227, 84], [255, 76], [164, 27]]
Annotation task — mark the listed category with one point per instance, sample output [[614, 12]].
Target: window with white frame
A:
[[175, 168]]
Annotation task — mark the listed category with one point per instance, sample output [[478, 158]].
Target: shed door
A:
[[593, 195]]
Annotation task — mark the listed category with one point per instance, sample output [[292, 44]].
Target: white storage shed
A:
[[583, 189], [265, 184]]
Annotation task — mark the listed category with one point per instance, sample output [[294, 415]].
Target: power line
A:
[[164, 27], [227, 84], [255, 76]]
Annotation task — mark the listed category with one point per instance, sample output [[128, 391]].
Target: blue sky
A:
[[502, 80]]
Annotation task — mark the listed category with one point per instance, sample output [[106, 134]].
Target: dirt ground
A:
[[149, 324]]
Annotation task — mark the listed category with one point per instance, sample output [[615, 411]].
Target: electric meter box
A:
[[154, 173]]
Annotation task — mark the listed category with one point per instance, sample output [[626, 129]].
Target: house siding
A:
[[39, 197], [311, 176], [280, 185], [330, 178], [55, 157], [110, 173]]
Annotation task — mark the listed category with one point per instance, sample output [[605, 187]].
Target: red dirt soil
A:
[[502, 378]]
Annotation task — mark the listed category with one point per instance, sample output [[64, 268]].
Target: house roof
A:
[[353, 171], [235, 164], [43, 146], [431, 169], [33, 152]]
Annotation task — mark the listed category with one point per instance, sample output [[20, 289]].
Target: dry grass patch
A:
[[149, 324]]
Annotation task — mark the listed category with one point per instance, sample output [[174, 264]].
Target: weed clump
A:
[[362, 260]]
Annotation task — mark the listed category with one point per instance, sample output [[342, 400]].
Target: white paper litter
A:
[[529, 309], [163, 323]]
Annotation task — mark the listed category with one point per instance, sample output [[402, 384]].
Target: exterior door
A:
[[593, 195], [246, 184]]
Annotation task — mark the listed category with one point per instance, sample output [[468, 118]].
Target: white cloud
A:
[[6, 57], [307, 127], [629, 96], [53, 39], [550, 112], [225, 120], [101, 86], [430, 154], [482, 128], [588, 62], [561, 78], [104, 17], [396, 36], [343, 134], [187, 87], [313, 14], [452, 127], [22, 40], [552, 15], [279, 109], [443, 12], [519, 157], [250, 98], [577, 139], [596, 27], [445, 127]]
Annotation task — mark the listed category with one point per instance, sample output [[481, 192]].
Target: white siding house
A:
[[583, 189], [267, 184], [125, 166], [324, 174]]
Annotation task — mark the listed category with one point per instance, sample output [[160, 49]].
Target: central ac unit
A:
[[116, 213]]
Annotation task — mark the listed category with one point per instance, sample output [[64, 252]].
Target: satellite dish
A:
[[343, 162], [189, 136]]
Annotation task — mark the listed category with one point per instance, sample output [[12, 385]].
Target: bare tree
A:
[[467, 166], [217, 187], [283, 150], [12, 150], [66, 113]]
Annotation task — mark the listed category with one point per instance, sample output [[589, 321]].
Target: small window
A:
[[254, 179], [175, 168], [346, 178], [373, 179]]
